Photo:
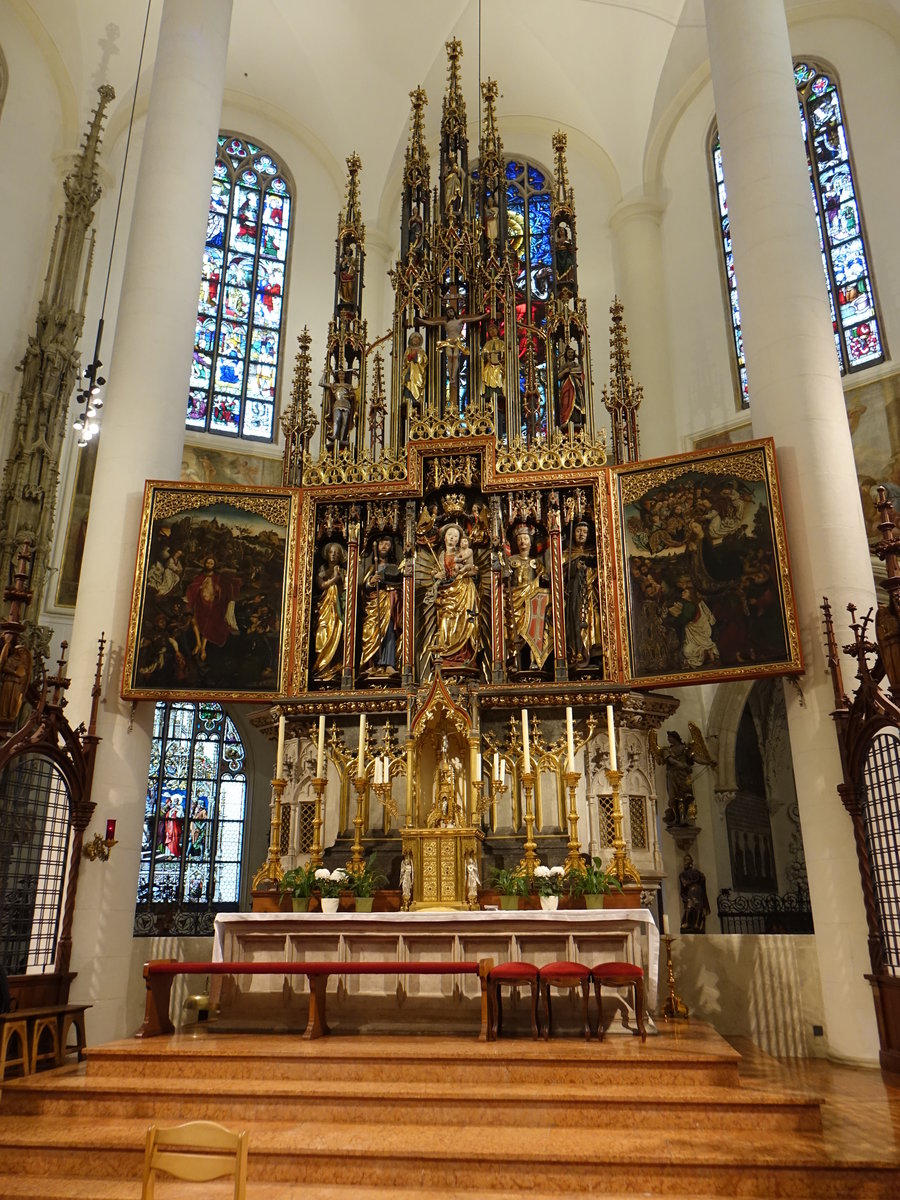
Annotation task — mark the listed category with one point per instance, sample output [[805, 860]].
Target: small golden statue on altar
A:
[[446, 812]]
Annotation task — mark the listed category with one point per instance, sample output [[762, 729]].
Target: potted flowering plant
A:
[[511, 884], [364, 884], [301, 883], [331, 884], [592, 881], [549, 883]]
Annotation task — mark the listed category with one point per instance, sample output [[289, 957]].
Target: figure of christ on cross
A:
[[453, 342]]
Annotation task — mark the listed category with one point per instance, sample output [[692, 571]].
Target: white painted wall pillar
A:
[[635, 225], [141, 438], [797, 398]]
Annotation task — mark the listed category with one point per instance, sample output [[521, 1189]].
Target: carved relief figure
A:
[[330, 580], [383, 620]]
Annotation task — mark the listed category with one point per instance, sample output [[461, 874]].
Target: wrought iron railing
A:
[[753, 912]]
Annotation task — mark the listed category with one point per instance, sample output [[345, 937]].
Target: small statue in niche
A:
[[383, 620], [678, 758], [412, 379], [570, 379], [340, 408], [446, 812], [583, 632], [694, 900], [453, 188], [406, 880], [330, 580], [347, 276], [531, 639], [473, 881]]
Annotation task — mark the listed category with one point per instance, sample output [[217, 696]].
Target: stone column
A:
[[635, 225], [797, 398], [142, 435]]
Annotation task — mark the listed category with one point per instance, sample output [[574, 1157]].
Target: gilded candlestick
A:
[[529, 859], [315, 852], [624, 870], [271, 872], [573, 858], [674, 1008], [357, 862]]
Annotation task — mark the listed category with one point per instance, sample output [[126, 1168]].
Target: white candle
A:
[[478, 765], [502, 772], [526, 749], [666, 924], [320, 756], [279, 754], [496, 766], [611, 730], [378, 775], [570, 739], [361, 760], [385, 769]]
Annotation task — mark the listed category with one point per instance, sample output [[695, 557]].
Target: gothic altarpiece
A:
[[460, 550]]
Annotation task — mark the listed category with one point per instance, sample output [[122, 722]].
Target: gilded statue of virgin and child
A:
[[457, 604]]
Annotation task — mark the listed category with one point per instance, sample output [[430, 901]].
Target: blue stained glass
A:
[[240, 270], [536, 178], [237, 304], [206, 336], [259, 419], [229, 374], [233, 339], [539, 224], [244, 283], [838, 221], [264, 345], [225, 413], [513, 169]]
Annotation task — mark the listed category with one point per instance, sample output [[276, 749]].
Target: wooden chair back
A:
[[196, 1151]]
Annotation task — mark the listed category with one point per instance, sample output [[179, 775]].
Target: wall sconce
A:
[[100, 847]]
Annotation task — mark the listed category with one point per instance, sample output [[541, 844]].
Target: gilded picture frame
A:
[[212, 613], [706, 591]]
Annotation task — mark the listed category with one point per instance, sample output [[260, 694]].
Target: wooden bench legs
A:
[[156, 1004], [316, 1025]]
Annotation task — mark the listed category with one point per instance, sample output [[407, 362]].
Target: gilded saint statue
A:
[[383, 620], [584, 642], [456, 600], [446, 811], [412, 384], [330, 581], [531, 639]]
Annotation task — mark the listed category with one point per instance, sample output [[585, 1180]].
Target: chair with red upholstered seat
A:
[[511, 974], [619, 975], [568, 975]]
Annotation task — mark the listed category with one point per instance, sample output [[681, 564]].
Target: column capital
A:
[[647, 206]]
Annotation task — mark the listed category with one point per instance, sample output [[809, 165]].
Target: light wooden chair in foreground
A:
[[197, 1151]]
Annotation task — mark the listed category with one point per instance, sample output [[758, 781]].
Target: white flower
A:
[[556, 871], [323, 873], [339, 874], [543, 872]]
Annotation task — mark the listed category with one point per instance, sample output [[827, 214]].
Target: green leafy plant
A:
[[591, 880], [332, 883], [367, 881], [509, 881], [300, 881], [549, 881]]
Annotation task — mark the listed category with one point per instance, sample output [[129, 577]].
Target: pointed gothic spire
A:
[[416, 173], [623, 397], [453, 119], [564, 194], [352, 218]]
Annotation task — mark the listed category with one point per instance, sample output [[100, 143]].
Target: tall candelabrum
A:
[[380, 768], [573, 858], [674, 1007], [270, 874], [623, 868], [315, 850], [529, 859]]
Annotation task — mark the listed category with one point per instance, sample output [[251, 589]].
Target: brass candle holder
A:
[[271, 872], [622, 867], [573, 859], [529, 859], [357, 861], [674, 1008], [315, 851]]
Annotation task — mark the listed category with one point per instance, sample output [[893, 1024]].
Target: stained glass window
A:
[[193, 821], [528, 233], [857, 334], [234, 375]]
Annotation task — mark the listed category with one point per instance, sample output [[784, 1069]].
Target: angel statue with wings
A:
[[678, 758]]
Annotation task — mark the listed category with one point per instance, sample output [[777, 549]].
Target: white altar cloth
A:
[[581, 935]]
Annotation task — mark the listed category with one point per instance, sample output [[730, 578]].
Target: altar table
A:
[[376, 1002]]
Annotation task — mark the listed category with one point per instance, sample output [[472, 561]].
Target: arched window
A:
[[239, 321], [857, 334], [194, 821], [528, 233]]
